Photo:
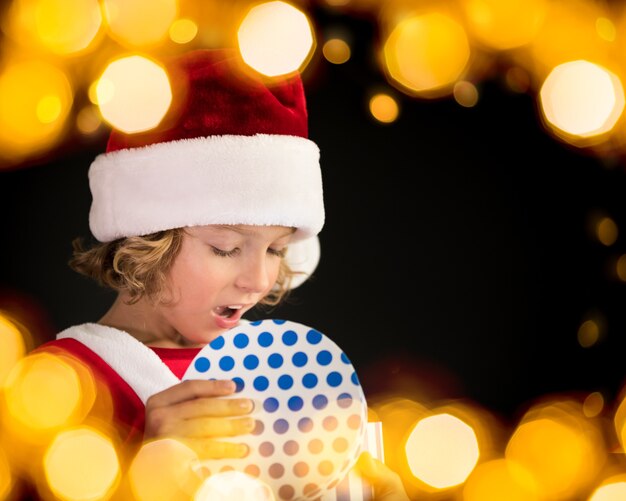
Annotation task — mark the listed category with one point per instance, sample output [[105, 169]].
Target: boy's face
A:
[[220, 273]]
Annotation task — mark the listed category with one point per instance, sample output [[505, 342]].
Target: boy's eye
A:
[[224, 253]]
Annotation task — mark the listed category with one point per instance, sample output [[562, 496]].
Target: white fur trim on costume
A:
[[303, 257], [137, 364], [257, 180]]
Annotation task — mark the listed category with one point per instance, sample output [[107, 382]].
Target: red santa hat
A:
[[232, 149]]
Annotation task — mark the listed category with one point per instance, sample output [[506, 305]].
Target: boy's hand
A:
[[194, 413], [386, 483]]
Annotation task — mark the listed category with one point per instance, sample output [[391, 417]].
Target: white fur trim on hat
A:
[[257, 180]]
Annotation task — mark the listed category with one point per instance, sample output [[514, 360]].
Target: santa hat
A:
[[232, 149]]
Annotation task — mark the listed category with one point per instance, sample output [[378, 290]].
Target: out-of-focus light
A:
[[134, 94], [6, 477], [593, 404], [581, 99], [465, 93], [606, 231], [442, 450], [606, 29], [32, 393], [13, 347], [560, 448], [621, 268], [517, 79], [275, 38], [140, 23], [619, 419], [588, 333], [426, 54], [569, 32], [500, 479], [82, 464], [35, 99], [611, 489], [183, 31], [233, 486], [88, 120], [336, 51], [173, 461], [504, 24], [384, 108], [61, 26]]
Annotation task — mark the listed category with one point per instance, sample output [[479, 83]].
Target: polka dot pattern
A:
[[310, 411]]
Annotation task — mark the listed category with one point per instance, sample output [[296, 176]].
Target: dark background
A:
[[457, 257]]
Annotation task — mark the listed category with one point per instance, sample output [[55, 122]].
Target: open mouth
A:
[[227, 311]]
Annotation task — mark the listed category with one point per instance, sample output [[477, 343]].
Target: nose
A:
[[254, 275]]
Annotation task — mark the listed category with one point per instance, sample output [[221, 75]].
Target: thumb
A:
[[386, 483]]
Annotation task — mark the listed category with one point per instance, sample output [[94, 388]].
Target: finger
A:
[[215, 449], [209, 427], [217, 407], [387, 484], [191, 389]]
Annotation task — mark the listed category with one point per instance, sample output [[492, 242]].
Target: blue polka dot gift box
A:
[[310, 410]]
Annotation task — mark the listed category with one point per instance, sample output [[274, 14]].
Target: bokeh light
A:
[[6, 476], [82, 464], [504, 24], [183, 31], [593, 405], [13, 347], [501, 479], [582, 99], [35, 100], [134, 94], [233, 486], [174, 461], [426, 54], [612, 489], [127, 20], [465, 93], [606, 231], [33, 396], [384, 108], [588, 333], [275, 38], [336, 51], [560, 447], [63, 27], [442, 450]]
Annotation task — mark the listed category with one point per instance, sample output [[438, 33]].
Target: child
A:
[[198, 221]]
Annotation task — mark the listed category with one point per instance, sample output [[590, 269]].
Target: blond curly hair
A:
[[139, 265]]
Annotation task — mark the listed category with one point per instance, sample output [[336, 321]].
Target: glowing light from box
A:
[[442, 450], [336, 51], [560, 449], [134, 94], [593, 404], [82, 464], [35, 99], [384, 108], [33, 394], [582, 99], [611, 489], [6, 477], [606, 231], [500, 479], [504, 24], [465, 93], [427, 54], [275, 38], [63, 27], [183, 31], [174, 461], [588, 333], [140, 23], [233, 486], [13, 347]]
